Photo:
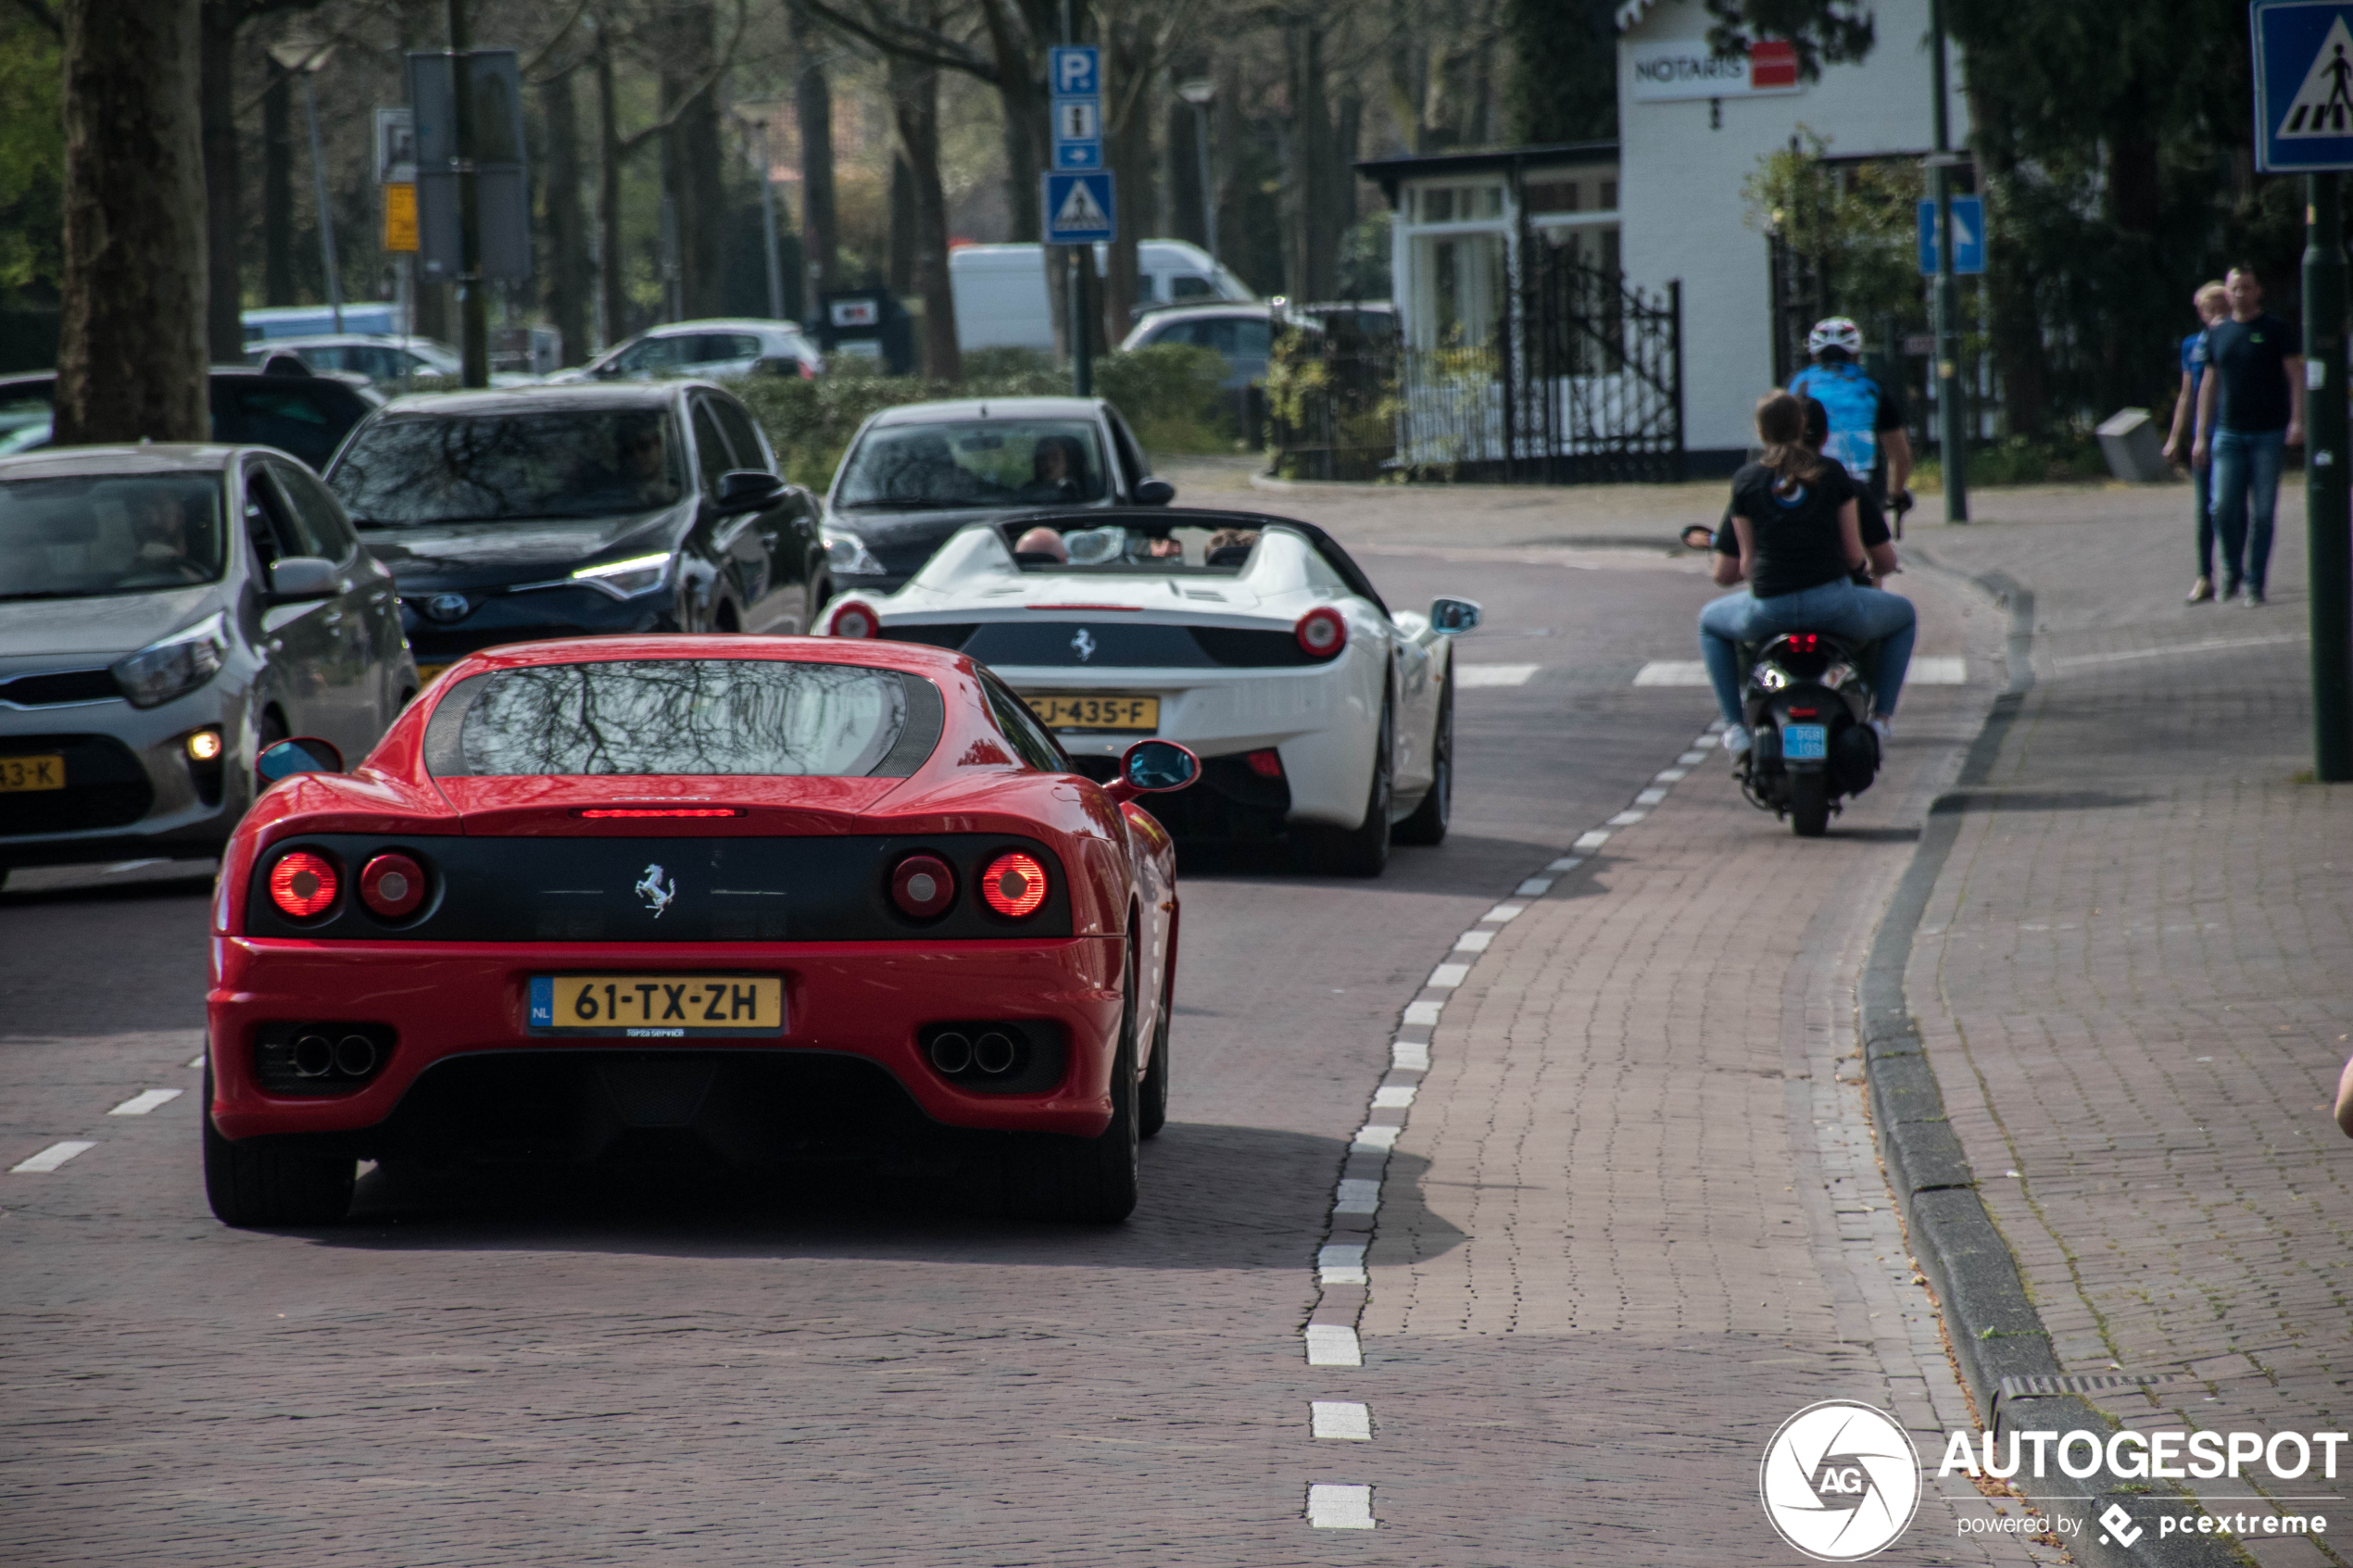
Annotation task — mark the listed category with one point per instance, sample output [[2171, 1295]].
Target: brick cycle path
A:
[[2134, 979]]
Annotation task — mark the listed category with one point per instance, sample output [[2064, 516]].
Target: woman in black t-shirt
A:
[[1796, 520]]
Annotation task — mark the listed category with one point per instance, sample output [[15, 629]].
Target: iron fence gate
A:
[[1581, 382]]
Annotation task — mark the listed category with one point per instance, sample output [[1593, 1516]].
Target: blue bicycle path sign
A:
[[2303, 86]]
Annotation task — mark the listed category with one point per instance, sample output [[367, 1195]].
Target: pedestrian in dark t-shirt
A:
[[2250, 411], [1794, 515], [2212, 303]]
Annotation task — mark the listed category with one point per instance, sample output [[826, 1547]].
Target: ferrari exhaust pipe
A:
[[951, 1052], [314, 1055], [354, 1056], [993, 1053]]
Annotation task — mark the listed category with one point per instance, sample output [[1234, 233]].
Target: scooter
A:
[[1807, 706]]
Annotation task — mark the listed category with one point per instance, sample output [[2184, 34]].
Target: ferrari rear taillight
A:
[[1014, 885], [304, 884], [1266, 764], [392, 886], [854, 619], [1322, 632], [922, 886]]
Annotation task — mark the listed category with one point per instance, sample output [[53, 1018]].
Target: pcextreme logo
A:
[[1840, 1481]]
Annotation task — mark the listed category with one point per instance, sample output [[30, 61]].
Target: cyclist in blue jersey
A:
[[1867, 436]]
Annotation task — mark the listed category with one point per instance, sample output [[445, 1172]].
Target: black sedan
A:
[[281, 405], [559, 511]]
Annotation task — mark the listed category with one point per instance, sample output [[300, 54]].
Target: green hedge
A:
[[1169, 394]]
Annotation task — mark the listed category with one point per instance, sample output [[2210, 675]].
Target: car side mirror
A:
[[1154, 492], [748, 490], [303, 754], [1450, 617], [1699, 536], [1154, 767], [301, 577]]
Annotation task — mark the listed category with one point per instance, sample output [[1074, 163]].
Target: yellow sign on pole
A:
[[400, 218]]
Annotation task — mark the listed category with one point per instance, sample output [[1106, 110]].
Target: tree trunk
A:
[[1182, 178], [1308, 197], [277, 187], [2014, 322], [814, 109], [1131, 63], [613, 296], [914, 101], [217, 89], [1225, 153], [131, 350], [899, 267], [567, 269], [691, 155]]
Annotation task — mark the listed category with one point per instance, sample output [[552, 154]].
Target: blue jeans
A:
[[2245, 476], [2202, 494], [1859, 615]]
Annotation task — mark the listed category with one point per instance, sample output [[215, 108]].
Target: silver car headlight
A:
[[1770, 678], [177, 665], [627, 579], [847, 552]]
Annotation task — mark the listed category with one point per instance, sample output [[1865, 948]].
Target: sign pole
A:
[[1081, 260], [474, 332], [1952, 437], [2328, 506]]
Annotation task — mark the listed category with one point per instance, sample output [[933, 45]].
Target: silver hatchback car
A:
[[165, 613]]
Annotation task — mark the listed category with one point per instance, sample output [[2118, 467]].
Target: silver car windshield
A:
[[974, 463], [82, 537], [412, 471]]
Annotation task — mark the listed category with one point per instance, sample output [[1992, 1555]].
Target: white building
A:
[[1691, 129]]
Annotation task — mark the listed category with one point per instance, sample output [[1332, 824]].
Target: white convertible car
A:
[[1315, 709]]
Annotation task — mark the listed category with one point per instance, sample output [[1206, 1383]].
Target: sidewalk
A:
[[2134, 980]]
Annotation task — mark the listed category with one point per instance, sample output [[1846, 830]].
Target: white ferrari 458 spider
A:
[[1315, 709]]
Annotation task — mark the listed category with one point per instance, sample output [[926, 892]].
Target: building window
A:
[[1610, 195], [1456, 204], [1459, 289], [1552, 195]]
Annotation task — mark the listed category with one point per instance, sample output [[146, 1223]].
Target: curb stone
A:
[[1995, 1330]]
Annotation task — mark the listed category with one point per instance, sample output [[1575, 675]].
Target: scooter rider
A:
[[1796, 520], [1867, 434]]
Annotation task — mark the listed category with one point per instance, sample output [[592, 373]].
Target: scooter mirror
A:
[[1699, 536]]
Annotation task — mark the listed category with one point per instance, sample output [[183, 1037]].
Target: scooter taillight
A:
[[1805, 642], [1804, 712]]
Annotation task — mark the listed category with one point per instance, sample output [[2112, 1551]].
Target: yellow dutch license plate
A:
[[426, 673], [657, 1006], [31, 772], [1094, 710]]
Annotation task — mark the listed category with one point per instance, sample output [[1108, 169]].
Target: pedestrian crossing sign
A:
[[1080, 210], [2303, 85]]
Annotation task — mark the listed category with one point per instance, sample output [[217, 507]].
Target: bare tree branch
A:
[[921, 44], [40, 12], [531, 67], [631, 142]]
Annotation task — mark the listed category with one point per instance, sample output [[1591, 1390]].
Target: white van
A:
[[374, 318], [1000, 290]]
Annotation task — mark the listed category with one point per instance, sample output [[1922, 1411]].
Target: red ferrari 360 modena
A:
[[770, 899]]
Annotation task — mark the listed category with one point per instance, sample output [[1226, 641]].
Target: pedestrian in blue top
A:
[[2251, 408], [2213, 304]]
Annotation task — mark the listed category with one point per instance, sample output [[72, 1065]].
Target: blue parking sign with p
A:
[[1075, 71], [2303, 85]]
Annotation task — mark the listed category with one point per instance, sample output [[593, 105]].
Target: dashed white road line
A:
[[1672, 672], [1357, 1197], [1472, 940], [1340, 1420], [1591, 841], [1333, 1344], [1504, 913], [196, 1061], [1565, 863], [140, 1104], [1340, 1263], [1371, 1139], [1446, 976], [1393, 1096], [1534, 887], [1411, 1055], [1340, 1508], [1494, 674], [51, 1158], [1422, 1013]]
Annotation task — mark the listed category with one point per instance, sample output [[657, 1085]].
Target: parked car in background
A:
[[376, 357], [374, 317], [166, 612], [1373, 322], [704, 351], [916, 473], [1243, 335], [544, 512], [1001, 299], [307, 415]]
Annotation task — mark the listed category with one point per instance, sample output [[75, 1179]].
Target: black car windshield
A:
[[691, 716], [71, 538], [413, 471], [974, 463]]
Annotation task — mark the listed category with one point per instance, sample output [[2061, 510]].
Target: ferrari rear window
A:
[[685, 716]]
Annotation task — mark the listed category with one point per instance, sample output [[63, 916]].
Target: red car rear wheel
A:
[[254, 1184]]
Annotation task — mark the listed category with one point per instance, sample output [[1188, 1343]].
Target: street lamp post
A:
[[1952, 437], [473, 319], [1200, 91], [309, 59]]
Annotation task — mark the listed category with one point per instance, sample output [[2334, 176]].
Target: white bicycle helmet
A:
[[1835, 331]]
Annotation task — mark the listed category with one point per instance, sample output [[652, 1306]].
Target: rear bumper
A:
[[449, 1008]]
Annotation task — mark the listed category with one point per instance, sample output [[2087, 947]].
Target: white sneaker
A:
[[1884, 727], [1737, 740]]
